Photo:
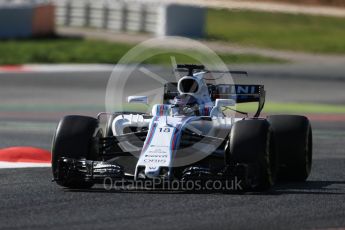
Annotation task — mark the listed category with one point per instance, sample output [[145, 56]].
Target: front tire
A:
[[73, 139], [251, 144]]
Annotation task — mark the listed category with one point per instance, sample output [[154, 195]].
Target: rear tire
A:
[[73, 139], [251, 143], [293, 135]]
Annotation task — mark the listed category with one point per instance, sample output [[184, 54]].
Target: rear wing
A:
[[239, 93]]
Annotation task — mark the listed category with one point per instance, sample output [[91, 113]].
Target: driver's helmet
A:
[[186, 105]]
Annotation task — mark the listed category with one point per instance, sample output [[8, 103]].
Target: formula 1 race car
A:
[[188, 137]]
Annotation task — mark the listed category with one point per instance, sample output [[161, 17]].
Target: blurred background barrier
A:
[[182, 20], [43, 20], [154, 17], [36, 17], [110, 15], [132, 16], [26, 19]]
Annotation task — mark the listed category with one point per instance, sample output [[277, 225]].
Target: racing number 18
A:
[[164, 130]]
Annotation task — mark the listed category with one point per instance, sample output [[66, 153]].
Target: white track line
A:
[[56, 68], [5, 165]]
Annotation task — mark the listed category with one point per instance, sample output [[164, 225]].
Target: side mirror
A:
[[224, 102], [217, 111], [138, 99]]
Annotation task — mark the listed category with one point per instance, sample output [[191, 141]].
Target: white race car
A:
[[187, 138]]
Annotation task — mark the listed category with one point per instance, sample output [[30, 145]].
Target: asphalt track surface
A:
[[31, 105]]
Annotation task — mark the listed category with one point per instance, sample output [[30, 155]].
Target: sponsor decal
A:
[[154, 160], [155, 156], [236, 89]]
